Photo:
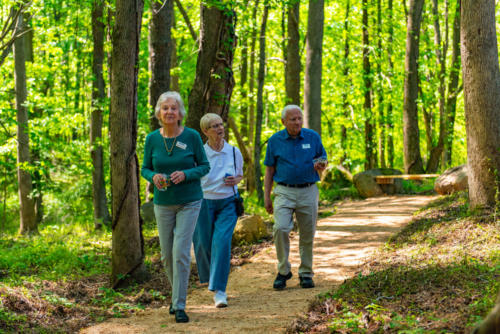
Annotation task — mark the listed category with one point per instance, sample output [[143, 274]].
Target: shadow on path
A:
[[343, 242]]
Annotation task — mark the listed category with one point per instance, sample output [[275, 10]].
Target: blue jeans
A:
[[212, 241], [175, 228]]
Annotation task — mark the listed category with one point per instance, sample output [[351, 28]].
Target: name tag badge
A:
[[305, 146], [181, 145]]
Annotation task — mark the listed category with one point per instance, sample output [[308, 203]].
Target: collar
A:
[[287, 136], [212, 151]]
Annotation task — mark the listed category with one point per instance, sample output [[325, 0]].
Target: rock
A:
[[452, 180], [148, 212], [368, 187], [249, 229]]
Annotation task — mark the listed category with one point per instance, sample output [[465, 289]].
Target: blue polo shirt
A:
[[293, 157]]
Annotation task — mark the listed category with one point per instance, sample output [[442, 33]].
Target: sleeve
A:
[[202, 165], [147, 171], [269, 160], [239, 162]]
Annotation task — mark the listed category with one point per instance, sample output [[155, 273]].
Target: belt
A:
[[302, 185]]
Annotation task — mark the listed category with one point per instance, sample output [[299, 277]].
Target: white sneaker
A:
[[220, 299]]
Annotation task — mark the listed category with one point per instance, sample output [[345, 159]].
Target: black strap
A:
[[234, 161]]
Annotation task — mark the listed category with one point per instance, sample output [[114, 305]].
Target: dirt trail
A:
[[343, 241]]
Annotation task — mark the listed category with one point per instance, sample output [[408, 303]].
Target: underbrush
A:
[[437, 275]]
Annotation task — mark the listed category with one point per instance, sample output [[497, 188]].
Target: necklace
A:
[[169, 150]]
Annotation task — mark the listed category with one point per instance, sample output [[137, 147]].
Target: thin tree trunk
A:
[[174, 78], [481, 79], [370, 156], [99, 199], [260, 103], [390, 74], [347, 87], [243, 87], [436, 151], [214, 81], [314, 64], [411, 135], [292, 67], [127, 241], [28, 223], [380, 89], [251, 87], [160, 51], [186, 19], [453, 89]]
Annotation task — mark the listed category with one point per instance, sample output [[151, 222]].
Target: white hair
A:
[[170, 95], [287, 108]]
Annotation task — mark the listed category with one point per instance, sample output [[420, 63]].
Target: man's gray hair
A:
[[170, 95], [287, 108]]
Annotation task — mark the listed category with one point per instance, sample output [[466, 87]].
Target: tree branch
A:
[[186, 19]]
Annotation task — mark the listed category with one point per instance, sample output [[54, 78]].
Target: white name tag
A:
[[304, 146], [181, 145]]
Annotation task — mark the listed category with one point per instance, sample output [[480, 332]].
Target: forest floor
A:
[[344, 241]]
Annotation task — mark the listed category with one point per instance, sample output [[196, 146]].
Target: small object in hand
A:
[[225, 177], [320, 160], [165, 182]]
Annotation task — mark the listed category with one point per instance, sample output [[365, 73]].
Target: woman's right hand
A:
[[157, 180]]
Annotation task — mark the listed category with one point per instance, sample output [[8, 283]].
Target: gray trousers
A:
[[304, 202], [176, 225]]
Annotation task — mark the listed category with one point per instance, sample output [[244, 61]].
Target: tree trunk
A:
[[390, 74], [243, 87], [370, 156], [160, 51], [27, 214], [260, 103], [214, 82], [380, 89], [453, 89], [292, 67], [128, 243], [251, 86], [481, 79], [411, 136], [347, 87], [437, 150], [99, 200], [313, 71]]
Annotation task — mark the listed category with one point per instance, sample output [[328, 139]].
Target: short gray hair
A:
[[207, 119], [287, 108], [170, 95]]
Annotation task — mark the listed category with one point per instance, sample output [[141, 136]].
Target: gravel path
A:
[[343, 242]]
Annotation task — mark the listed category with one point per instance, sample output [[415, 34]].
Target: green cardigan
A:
[[188, 156]]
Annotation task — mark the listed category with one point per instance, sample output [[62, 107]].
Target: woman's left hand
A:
[[177, 177]]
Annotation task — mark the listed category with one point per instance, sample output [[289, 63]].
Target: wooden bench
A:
[[389, 179]]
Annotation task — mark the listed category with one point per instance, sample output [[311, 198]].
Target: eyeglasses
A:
[[216, 125]]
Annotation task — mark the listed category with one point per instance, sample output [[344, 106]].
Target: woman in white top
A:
[[217, 219]]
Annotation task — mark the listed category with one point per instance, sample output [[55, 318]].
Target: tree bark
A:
[[27, 214], [260, 103], [314, 70], [99, 199], [437, 150], [390, 74], [411, 135], [380, 89], [347, 87], [160, 51], [214, 81], [370, 156], [127, 242], [292, 67], [481, 79], [453, 89]]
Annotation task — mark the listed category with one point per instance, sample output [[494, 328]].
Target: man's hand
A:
[[320, 166], [268, 204]]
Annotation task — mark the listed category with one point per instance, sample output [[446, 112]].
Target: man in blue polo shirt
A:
[[294, 159]]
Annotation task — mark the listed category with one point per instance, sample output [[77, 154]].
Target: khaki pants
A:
[[304, 202]]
